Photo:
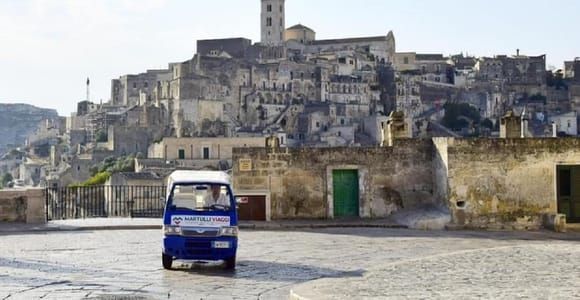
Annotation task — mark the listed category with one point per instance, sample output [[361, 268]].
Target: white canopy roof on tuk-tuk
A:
[[185, 177]]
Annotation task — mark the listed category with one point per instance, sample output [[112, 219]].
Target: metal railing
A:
[[105, 201]]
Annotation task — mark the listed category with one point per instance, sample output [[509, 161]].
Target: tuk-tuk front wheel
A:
[[167, 261], [230, 263]]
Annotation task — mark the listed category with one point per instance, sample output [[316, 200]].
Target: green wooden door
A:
[[345, 193]]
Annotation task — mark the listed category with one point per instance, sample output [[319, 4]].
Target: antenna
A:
[[88, 89]]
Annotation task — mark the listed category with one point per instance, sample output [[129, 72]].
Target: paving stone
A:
[[117, 264]]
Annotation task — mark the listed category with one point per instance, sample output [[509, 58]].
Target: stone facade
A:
[[126, 90], [505, 183], [510, 126], [397, 127], [299, 181], [236, 47], [24, 206], [300, 33], [193, 148], [273, 22], [566, 124], [484, 183]]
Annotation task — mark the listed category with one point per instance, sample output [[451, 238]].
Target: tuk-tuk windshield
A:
[[200, 197]]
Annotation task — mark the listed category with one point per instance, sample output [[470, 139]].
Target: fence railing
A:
[[105, 201]]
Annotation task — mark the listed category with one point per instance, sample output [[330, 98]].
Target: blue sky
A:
[[49, 47]]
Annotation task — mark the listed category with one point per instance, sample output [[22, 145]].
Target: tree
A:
[[6, 179], [101, 136], [487, 123], [455, 115]]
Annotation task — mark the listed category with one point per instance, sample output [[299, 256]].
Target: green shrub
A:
[[98, 179]]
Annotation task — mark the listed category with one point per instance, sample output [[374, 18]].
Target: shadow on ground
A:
[[260, 271]]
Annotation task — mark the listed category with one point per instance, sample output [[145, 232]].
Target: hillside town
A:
[[295, 167], [305, 91]]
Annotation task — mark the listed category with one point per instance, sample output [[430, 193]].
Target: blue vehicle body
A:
[[198, 235]]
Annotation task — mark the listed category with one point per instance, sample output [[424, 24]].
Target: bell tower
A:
[[273, 22]]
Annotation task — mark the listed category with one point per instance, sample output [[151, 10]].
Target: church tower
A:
[[273, 22]]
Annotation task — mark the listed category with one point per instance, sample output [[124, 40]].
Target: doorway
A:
[[252, 208], [345, 193], [568, 190]]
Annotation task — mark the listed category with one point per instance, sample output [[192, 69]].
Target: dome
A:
[[300, 27]]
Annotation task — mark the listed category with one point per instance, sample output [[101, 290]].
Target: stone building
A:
[[566, 124], [571, 69], [126, 90], [299, 183], [234, 47], [524, 75], [483, 183], [200, 152], [232, 84], [300, 34], [432, 67], [408, 97]]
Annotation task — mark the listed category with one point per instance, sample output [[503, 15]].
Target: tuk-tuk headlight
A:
[[229, 231], [171, 230]]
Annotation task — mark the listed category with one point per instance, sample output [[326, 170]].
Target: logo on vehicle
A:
[[177, 220]]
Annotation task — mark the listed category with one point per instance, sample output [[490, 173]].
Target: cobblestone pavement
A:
[[127, 265]]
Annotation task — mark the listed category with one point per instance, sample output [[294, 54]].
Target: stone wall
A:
[[504, 183], [23, 206], [235, 47], [299, 181], [484, 183]]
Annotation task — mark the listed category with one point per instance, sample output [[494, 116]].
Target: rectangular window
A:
[[181, 154], [406, 60], [269, 22], [205, 152], [269, 7]]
